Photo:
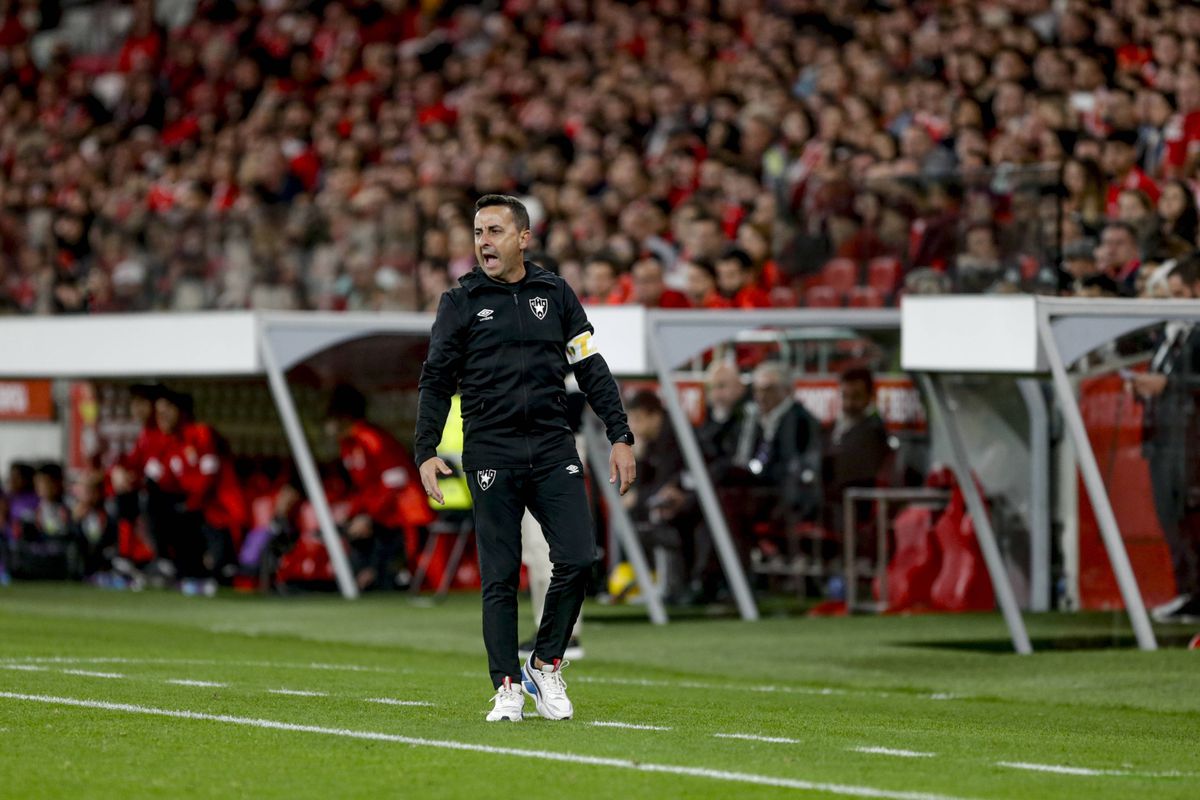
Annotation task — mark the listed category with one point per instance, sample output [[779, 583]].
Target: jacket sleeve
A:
[[590, 368], [439, 378]]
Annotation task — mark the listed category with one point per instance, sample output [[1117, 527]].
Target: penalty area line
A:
[[443, 744]]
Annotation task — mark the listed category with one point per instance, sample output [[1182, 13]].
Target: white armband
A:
[[580, 348]]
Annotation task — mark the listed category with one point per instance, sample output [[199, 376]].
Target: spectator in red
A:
[[601, 280], [1120, 163], [648, 287], [387, 504], [128, 478], [212, 513], [737, 282], [702, 285]]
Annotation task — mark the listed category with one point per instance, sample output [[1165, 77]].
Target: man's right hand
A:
[[429, 477]]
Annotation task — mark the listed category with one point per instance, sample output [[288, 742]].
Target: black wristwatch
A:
[[625, 438]]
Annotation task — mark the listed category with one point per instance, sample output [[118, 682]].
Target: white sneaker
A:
[[547, 688], [510, 704]]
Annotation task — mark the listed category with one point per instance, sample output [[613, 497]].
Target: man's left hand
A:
[[621, 464]]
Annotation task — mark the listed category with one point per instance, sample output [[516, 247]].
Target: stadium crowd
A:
[[308, 154]]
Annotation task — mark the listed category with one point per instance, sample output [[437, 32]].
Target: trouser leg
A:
[[497, 498], [535, 555], [558, 501]]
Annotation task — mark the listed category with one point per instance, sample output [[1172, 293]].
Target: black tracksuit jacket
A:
[[507, 348]]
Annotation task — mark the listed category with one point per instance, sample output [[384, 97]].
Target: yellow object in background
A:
[[622, 583], [454, 487]]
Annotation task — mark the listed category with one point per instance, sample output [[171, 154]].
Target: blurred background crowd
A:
[[198, 154]]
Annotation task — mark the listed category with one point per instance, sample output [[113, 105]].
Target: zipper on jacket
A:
[[524, 385]]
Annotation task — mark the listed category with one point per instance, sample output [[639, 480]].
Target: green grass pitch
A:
[[106, 694]]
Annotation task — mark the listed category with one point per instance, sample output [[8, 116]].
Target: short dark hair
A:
[[1188, 270], [51, 470], [859, 375], [346, 402], [181, 400], [146, 391], [734, 253], [519, 212], [705, 265], [1122, 226], [646, 400]]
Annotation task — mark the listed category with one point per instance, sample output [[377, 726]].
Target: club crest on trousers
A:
[[486, 478], [539, 306]]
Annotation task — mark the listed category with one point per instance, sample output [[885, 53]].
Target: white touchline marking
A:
[[544, 755], [1060, 769], [753, 737], [25, 667], [297, 692], [629, 725], [888, 751], [186, 682], [388, 701], [200, 661], [87, 673]]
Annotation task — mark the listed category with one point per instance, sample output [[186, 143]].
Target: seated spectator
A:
[[649, 290], [601, 284], [723, 415], [262, 548], [737, 282], [208, 512], [856, 448], [45, 547], [93, 528], [661, 504], [1117, 255], [387, 504], [702, 285]]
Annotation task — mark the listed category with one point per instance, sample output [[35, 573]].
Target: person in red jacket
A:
[[702, 285], [128, 478], [387, 503], [212, 513], [737, 282], [649, 290]]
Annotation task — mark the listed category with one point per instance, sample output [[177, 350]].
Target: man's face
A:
[[645, 425], [1118, 245], [729, 276], [1177, 289], [647, 282], [599, 279], [855, 399], [699, 283], [725, 388], [499, 246], [142, 409], [706, 238], [769, 391], [166, 414]]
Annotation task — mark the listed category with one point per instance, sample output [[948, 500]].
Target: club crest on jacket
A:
[[539, 306]]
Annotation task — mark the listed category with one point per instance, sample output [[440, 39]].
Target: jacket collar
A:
[[477, 280]]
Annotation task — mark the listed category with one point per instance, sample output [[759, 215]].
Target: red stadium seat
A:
[[822, 297], [841, 274], [883, 274], [865, 297]]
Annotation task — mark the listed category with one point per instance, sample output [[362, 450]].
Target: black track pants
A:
[[556, 497]]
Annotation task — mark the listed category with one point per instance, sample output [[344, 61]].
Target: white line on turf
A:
[[297, 692], [388, 701], [187, 682], [200, 661], [24, 667], [753, 737], [1060, 769], [544, 755], [888, 751], [629, 725], [87, 673]]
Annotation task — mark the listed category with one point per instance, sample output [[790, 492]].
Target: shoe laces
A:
[[553, 683], [507, 693]]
